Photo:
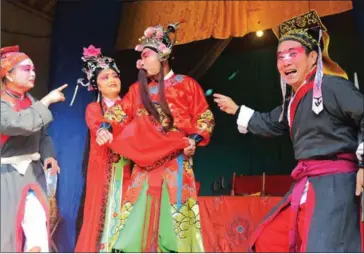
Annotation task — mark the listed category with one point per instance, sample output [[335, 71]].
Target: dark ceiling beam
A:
[[49, 6], [31, 10], [32, 2]]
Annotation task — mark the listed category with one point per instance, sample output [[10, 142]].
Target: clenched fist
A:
[[103, 136]]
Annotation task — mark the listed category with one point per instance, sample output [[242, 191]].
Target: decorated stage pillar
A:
[[77, 24]]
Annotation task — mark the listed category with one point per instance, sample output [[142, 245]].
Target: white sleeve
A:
[[245, 114], [360, 151]]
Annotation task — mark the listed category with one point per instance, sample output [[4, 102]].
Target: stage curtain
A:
[[217, 19], [358, 10], [228, 222], [209, 59], [249, 78], [77, 24]]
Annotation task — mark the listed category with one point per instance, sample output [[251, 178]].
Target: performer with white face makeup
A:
[[25, 146], [162, 119], [323, 113]]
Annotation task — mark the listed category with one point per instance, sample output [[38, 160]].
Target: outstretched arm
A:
[[25, 122], [248, 120], [262, 124]]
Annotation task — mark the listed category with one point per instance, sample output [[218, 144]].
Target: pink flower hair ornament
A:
[[139, 48], [166, 52], [139, 64], [158, 39], [162, 47], [149, 32], [93, 60], [91, 51], [159, 34]]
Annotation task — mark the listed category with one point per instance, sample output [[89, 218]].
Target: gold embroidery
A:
[[188, 215], [303, 32], [188, 166], [125, 213], [142, 112], [206, 121], [115, 113], [126, 209], [164, 120], [305, 21]]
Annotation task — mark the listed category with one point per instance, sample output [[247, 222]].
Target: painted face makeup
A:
[[292, 62], [108, 83], [150, 62], [23, 75], [290, 54]]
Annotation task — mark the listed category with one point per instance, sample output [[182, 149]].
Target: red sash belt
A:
[[308, 168]]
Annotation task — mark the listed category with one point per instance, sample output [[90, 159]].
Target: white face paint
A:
[[150, 62], [23, 75], [286, 56], [293, 62]]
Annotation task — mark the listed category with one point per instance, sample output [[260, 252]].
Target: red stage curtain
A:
[[227, 221]]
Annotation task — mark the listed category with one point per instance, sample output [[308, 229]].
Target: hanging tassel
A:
[[317, 100], [98, 96], [356, 81], [284, 90], [79, 82], [74, 96]]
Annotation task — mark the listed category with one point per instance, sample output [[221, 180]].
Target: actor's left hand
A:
[[52, 162], [359, 182], [190, 150]]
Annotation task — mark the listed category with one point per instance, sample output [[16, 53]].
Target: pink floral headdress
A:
[[158, 39], [93, 60]]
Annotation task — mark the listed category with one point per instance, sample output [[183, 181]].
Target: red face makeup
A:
[[23, 75], [150, 62], [290, 54], [108, 83], [293, 62]]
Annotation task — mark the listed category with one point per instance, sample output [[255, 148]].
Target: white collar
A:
[[109, 102], [169, 75]]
